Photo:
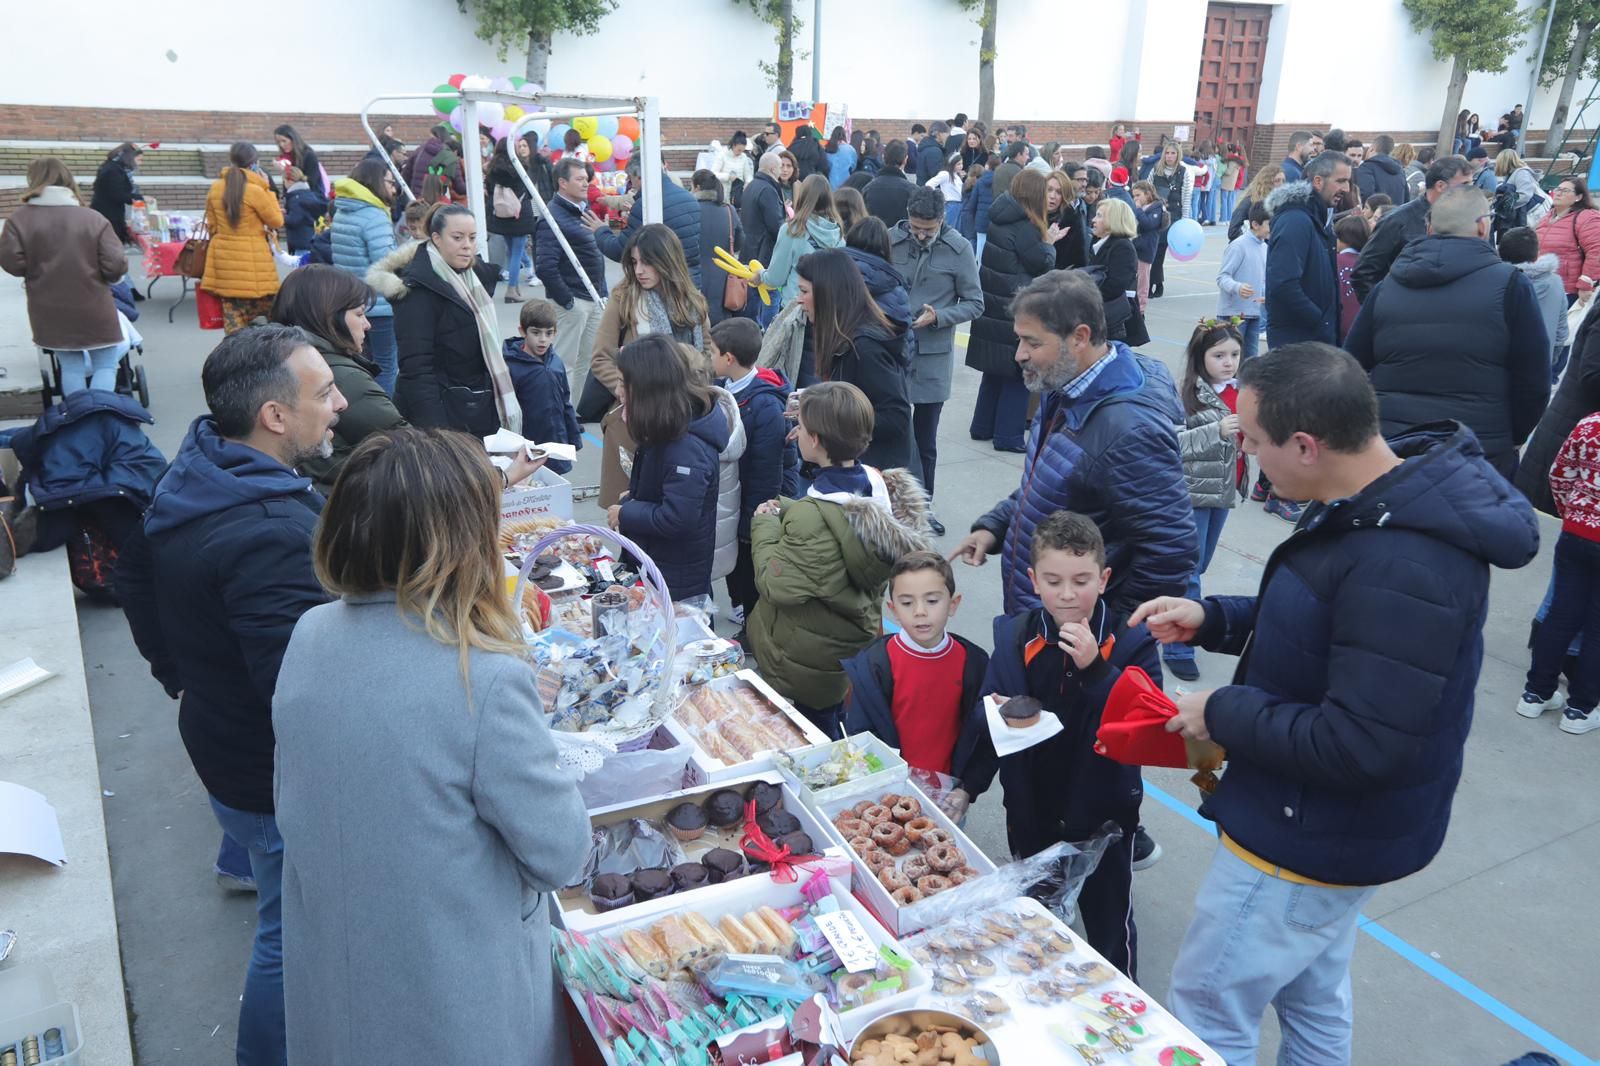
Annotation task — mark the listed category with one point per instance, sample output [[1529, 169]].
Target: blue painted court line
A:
[[590, 438], [1420, 959]]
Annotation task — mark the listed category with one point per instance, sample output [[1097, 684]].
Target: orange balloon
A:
[[628, 126]]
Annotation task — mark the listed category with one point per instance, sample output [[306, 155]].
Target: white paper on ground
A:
[[1008, 740], [28, 825], [24, 673]]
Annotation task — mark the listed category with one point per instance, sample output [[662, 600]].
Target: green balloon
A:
[[518, 81], [446, 99]]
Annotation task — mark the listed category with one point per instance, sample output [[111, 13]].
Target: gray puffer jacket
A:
[[1210, 460], [729, 496]]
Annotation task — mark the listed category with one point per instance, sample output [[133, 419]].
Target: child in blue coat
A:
[[302, 206], [540, 380], [770, 466]]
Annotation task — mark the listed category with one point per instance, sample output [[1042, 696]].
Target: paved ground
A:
[[1473, 961]]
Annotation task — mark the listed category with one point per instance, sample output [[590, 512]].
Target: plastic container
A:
[[707, 767], [893, 772], [30, 1005]]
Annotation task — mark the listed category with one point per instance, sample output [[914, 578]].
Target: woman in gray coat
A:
[[423, 813]]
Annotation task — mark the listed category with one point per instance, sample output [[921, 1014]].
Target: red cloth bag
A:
[[209, 307], [1133, 726]]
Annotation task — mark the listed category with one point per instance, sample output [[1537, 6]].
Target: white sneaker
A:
[[1530, 706], [1579, 722]]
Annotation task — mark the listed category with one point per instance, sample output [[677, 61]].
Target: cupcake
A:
[[778, 823], [687, 821], [798, 843], [725, 808], [766, 796], [609, 891], [1020, 712], [687, 875], [723, 865], [650, 884]]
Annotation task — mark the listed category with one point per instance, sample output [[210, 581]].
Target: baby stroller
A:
[[131, 379]]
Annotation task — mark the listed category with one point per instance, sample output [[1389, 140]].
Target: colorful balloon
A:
[[621, 148], [586, 125], [517, 81], [456, 118], [500, 85], [628, 126], [607, 126], [513, 112], [445, 99], [532, 87], [599, 148], [500, 130], [557, 135], [475, 81], [541, 126], [1185, 238], [490, 113], [455, 80], [606, 167]]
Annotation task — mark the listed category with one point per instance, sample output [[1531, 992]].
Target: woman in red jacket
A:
[[1571, 230]]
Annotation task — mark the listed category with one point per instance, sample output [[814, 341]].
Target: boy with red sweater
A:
[[918, 690], [1575, 607]]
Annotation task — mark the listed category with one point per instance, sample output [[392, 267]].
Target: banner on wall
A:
[[790, 115]]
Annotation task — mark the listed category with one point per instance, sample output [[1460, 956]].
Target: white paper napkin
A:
[[1008, 740]]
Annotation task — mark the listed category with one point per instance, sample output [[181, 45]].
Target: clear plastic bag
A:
[[629, 846], [1054, 877]]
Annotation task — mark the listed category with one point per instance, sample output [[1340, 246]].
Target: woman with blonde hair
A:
[[1267, 178], [69, 255], [657, 295], [1021, 247], [1508, 166], [241, 215], [814, 227], [1117, 263], [418, 777]]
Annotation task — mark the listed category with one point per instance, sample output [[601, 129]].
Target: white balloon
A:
[[541, 126], [475, 81], [490, 113]]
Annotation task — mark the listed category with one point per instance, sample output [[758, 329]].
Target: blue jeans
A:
[[765, 313], [1208, 523], [952, 214], [1255, 940], [383, 351], [516, 256], [261, 1028], [94, 368], [1539, 615], [233, 859], [977, 249], [1574, 611], [1229, 199], [1001, 412], [1249, 338]]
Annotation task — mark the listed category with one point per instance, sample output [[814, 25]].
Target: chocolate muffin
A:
[[778, 823], [687, 875], [798, 843], [723, 865], [725, 808], [650, 884], [609, 891], [687, 821], [1020, 712], [766, 796]]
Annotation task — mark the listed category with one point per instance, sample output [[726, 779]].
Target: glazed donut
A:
[[932, 838], [933, 883], [877, 814], [945, 857], [917, 866], [906, 808], [862, 845], [891, 879], [905, 896], [861, 808], [853, 827], [918, 826], [887, 834]]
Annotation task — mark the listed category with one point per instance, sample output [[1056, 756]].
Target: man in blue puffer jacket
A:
[[1302, 275], [1102, 445], [1351, 703], [579, 320], [680, 212]]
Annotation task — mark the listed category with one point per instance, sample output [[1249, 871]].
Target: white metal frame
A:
[[557, 107]]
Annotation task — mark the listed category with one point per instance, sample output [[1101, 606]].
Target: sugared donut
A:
[[932, 883], [906, 808], [932, 838], [877, 814], [916, 866], [905, 896], [918, 826], [945, 857], [861, 808], [862, 845], [891, 879], [852, 827], [962, 875], [876, 859], [887, 834]]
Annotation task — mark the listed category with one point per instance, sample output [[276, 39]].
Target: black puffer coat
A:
[[1015, 253], [443, 380]]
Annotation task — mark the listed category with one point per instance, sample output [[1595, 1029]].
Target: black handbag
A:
[[472, 410], [595, 399]]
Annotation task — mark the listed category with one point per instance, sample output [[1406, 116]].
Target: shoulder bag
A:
[[191, 261], [735, 291]]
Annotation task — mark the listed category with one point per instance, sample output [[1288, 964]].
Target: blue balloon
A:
[[557, 136], [1185, 238], [607, 126]]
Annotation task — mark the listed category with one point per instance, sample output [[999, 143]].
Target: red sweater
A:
[[927, 701], [1575, 480]]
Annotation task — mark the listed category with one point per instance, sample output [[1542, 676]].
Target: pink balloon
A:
[[500, 130], [621, 147], [607, 166], [456, 117]]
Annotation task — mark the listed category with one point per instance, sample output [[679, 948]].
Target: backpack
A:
[[507, 204]]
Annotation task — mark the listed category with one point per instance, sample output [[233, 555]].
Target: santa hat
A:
[[1119, 175]]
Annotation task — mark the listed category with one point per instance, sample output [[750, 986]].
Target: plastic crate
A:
[[29, 1006]]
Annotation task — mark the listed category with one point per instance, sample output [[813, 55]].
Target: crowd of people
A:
[[334, 495]]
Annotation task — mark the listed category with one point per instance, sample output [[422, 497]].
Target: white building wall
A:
[[1356, 62]]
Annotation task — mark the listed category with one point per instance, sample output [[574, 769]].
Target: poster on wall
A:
[[790, 115]]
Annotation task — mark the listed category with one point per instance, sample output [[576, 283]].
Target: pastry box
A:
[[735, 723], [855, 766]]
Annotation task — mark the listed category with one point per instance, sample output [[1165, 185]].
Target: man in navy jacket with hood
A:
[[224, 565], [1351, 703], [1302, 278]]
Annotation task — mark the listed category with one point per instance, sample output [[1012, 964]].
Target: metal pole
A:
[[544, 210], [650, 160], [816, 53], [472, 159], [1533, 79]]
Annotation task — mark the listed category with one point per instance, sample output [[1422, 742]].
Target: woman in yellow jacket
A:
[[241, 213]]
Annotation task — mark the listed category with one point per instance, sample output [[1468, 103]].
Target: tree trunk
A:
[[786, 52], [538, 57], [1558, 120], [1452, 106], [986, 64]]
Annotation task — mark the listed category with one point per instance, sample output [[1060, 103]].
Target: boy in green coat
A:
[[822, 562]]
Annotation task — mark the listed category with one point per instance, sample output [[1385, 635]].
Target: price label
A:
[[850, 941]]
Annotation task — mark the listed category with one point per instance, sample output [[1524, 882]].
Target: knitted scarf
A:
[[465, 284], [657, 320]]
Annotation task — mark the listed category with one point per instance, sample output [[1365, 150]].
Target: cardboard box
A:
[[708, 768], [545, 495], [900, 922], [576, 911]]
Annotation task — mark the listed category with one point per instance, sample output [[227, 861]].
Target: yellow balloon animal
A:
[[727, 261]]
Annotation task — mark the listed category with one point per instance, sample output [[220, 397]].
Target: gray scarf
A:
[[655, 313]]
